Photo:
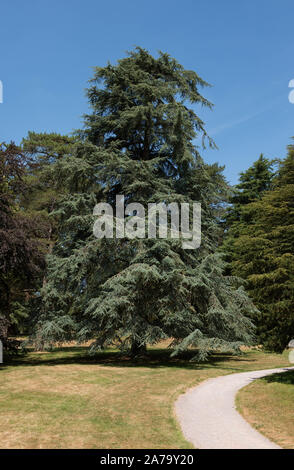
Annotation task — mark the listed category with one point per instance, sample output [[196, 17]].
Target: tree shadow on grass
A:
[[282, 378], [155, 358]]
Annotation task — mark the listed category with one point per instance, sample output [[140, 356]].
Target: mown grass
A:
[[268, 405], [67, 399]]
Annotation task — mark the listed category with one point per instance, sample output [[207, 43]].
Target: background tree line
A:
[[58, 282]]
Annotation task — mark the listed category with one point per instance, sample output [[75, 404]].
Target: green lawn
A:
[[66, 399], [268, 404]]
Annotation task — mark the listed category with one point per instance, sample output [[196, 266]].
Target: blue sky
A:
[[244, 49]]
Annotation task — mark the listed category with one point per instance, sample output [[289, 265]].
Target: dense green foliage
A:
[[253, 183], [138, 142], [42, 194], [261, 247]]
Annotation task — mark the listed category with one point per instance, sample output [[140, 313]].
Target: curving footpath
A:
[[209, 418]]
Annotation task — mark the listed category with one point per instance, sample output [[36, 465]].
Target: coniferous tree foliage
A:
[[42, 194], [138, 142], [40, 199], [254, 182], [263, 254]]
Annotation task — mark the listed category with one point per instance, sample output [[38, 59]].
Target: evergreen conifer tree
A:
[[254, 182], [138, 142], [263, 254]]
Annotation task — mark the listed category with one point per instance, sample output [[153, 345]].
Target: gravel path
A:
[[209, 418]]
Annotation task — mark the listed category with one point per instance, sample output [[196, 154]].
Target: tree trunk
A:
[[138, 349]]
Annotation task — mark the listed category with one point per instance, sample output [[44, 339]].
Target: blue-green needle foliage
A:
[[138, 141]]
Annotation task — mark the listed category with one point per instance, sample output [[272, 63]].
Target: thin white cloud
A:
[[235, 122]]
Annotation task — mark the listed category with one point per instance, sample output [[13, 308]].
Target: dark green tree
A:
[[254, 182], [42, 194], [263, 254], [138, 142], [39, 199]]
